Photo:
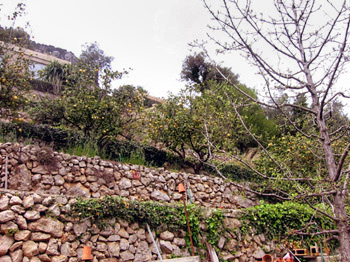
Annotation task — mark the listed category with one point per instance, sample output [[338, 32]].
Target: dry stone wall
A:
[[38, 227], [40, 170], [35, 210]]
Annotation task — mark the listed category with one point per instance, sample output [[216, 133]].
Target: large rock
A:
[[47, 225], [166, 246], [168, 236], [52, 247], [127, 255], [114, 249], [23, 235], [6, 216], [20, 179], [5, 244], [160, 196], [28, 202], [78, 190], [81, 228], [17, 255], [30, 249], [143, 252], [4, 202], [124, 183], [124, 244], [243, 202], [5, 259]]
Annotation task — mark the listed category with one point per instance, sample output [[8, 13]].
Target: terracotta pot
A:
[[267, 258], [86, 253], [181, 188]]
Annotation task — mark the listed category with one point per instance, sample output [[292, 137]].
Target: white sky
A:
[[151, 37]]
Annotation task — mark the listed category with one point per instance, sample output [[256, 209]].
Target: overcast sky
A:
[[151, 37]]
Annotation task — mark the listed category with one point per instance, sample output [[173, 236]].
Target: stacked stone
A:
[[43, 171], [38, 228]]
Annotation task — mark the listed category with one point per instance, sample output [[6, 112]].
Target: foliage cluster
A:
[[154, 214], [281, 221], [195, 126]]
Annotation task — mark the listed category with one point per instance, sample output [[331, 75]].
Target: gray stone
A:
[[141, 234], [47, 180], [78, 190], [52, 247], [126, 255], [232, 223], [166, 246], [159, 195], [30, 249], [124, 244], [21, 179], [28, 202], [42, 247], [166, 235], [143, 252], [243, 202], [81, 227], [6, 215], [8, 228], [48, 201], [65, 249], [16, 200], [5, 244], [113, 238], [114, 249], [4, 202], [124, 183], [21, 222], [22, 235], [108, 231], [32, 215], [18, 209], [54, 210], [180, 242], [222, 242], [17, 255], [122, 233], [59, 180], [16, 245], [60, 258], [38, 236], [47, 225], [132, 239], [5, 259], [145, 180], [44, 258]]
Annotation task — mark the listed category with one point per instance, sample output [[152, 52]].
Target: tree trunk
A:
[[344, 232]]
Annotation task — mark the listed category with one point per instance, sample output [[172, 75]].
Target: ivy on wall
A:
[[152, 213], [280, 222]]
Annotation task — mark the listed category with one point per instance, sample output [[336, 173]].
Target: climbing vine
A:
[[281, 221], [152, 213]]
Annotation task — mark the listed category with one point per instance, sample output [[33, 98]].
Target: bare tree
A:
[[299, 47]]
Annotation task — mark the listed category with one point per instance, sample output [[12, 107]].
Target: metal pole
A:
[[154, 242], [188, 224], [6, 171]]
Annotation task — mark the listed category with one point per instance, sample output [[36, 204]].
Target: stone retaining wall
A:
[[36, 226], [40, 170]]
